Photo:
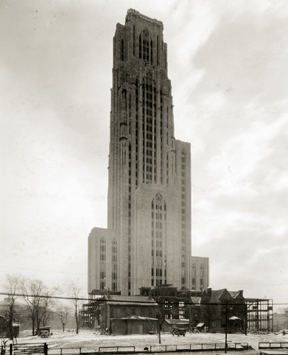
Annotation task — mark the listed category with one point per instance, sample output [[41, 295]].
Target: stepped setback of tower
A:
[[148, 239]]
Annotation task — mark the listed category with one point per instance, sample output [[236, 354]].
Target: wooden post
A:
[[45, 349], [226, 327]]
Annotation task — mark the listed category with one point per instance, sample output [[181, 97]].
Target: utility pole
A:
[[226, 326], [159, 316], [246, 318], [190, 318]]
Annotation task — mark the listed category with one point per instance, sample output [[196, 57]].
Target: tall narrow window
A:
[[146, 47], [136, 132], [157, 50], [134, 40], [130, 112], [140, 47], [193, 276], [201, 276], [114, 265], [129, 224], [122, 50], [167, 168], [183, 216], [149, 134], [102, 264], [158, 240]]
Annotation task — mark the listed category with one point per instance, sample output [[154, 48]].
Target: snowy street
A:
[[86, 339]]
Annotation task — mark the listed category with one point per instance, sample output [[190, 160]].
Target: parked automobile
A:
[[45, 332], [178, 331]]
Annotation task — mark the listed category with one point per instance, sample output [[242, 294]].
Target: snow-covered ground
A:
[[92, 340]]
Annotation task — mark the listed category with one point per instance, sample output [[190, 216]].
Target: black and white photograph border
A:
[[227, 62]]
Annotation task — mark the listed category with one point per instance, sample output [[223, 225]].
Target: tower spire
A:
[[149, 204]]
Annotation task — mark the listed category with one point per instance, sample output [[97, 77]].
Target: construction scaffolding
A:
[[259, 315]]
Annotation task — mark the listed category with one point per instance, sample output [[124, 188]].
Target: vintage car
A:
[[44, 332], [178, 331]]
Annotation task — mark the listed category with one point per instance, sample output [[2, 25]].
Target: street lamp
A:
[[232, 319]]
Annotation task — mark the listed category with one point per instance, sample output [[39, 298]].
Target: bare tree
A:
[[32, 290], [48, 305], [62, 312], [74, 291], [12, 287], [161, 320], [46, 308], [38, 300]]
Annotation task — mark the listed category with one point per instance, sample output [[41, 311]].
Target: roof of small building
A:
[[235, 294], [177, 321], [196, 300], [224, 294], [216, 294], [134, 317], [130, 300]]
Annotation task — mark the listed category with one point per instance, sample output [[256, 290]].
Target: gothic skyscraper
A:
[[148, 239]]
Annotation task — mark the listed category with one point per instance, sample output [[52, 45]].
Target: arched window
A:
[[103, 248], [146, 46]]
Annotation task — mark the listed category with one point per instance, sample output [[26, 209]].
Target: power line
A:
[[41, 270], [137, 301], [44, 296]]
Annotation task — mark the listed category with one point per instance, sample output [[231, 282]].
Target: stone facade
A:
[[148, 240], [102, 259], [199, 273]]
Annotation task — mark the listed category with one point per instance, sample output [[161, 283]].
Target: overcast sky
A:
[[227, 61]]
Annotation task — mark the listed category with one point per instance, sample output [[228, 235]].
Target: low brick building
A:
[[127, 314], [224, 310]]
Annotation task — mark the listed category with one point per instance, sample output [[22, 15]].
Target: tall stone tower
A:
[[148, 240]]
